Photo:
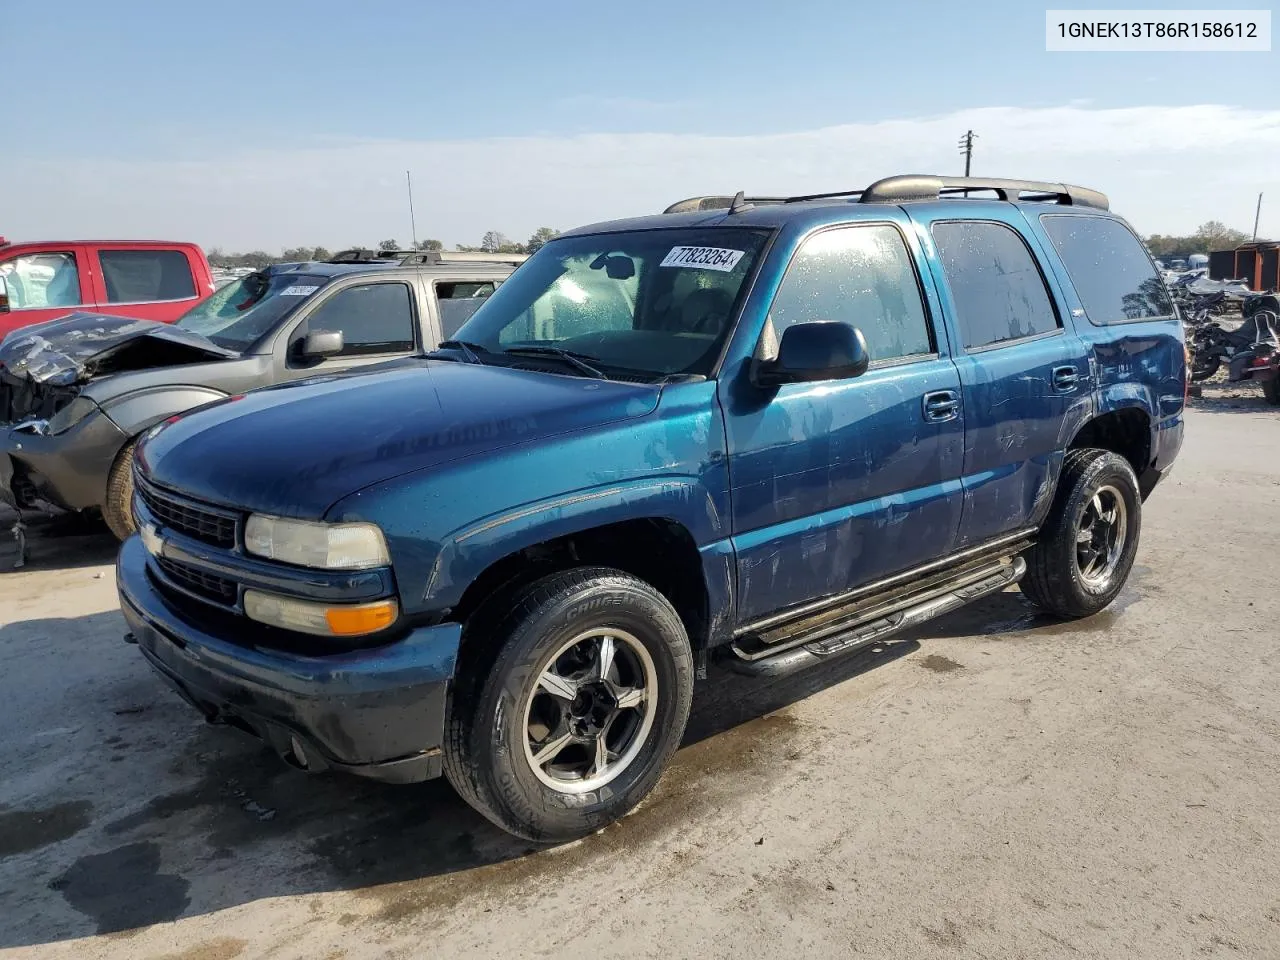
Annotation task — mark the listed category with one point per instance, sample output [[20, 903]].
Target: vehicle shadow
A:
[[60, 541], [180, 819]]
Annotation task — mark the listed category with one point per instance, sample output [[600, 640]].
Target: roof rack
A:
[[914, 187], [418, 257], [409, 258]]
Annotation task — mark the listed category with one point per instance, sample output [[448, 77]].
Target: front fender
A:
[[135, 412], [473, 548]]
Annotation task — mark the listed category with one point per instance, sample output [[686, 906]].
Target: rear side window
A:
[[458, 300], [997, 289], [372, 317], [1109, 268], [861, 276], [141, 276]]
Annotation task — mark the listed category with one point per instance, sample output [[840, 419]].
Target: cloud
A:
[[1166, 168]]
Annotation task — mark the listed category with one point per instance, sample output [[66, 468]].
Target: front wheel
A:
[[568, 707], [117, 506], [1086, 547]]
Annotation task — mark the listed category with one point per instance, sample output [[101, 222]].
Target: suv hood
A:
[[296, 450], [81, 346]]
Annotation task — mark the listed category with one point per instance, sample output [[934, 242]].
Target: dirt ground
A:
[[999, 786]]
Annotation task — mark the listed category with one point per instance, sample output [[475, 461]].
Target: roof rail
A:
[[916, 186], [365, 255], [418, 257]]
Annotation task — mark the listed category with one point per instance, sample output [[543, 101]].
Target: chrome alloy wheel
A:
[[1101, 536], [591, 710]]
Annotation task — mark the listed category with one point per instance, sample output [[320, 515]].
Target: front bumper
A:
[[69, 470], [377, 713]]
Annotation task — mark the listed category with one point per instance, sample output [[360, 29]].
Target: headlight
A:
[[304, 616], [326, 546], [70, 415]]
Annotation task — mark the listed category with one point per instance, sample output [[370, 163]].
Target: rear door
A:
[[148, 282], [1021, 365], [45, 283]]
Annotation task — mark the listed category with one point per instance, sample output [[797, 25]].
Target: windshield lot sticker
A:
[[298, 291], [703, 258]]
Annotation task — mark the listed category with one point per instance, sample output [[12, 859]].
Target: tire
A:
[[1058, 578], [503, 716], [1271, 391], [117, 506], [1203, 370]]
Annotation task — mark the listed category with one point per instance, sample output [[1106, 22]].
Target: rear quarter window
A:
[[1110, 270]]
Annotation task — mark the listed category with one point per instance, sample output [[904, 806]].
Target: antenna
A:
[[1257, 214], [413, 226]]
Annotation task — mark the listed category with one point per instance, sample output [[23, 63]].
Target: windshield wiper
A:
[[468, 349], [568, 356]]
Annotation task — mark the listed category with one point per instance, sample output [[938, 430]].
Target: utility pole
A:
[[413, 226], [966, 147], [1257, 214]]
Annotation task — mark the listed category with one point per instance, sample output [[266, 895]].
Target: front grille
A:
[[198, 582], [185, 516]]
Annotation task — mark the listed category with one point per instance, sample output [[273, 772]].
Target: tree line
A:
[[492, 242], [1208, 238]]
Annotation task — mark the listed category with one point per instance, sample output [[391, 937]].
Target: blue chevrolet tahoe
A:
[[768, 431]]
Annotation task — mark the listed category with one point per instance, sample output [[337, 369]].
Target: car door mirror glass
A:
[[319, 344], [817, 350]]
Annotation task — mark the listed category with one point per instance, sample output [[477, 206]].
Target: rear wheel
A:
[[1086, 547], [117, 507], [568, 707]]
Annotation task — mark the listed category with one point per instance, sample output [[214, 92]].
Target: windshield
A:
[[652, 302], [238, 314]]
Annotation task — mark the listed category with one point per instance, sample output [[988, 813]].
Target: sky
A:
[[271, 124]]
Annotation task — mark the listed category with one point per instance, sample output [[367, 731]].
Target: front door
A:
[[45, 285], [1021, 368], [836, 484]]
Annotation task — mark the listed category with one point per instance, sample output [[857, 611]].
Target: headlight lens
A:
[[326, 546], [305, 616], [70, 415]]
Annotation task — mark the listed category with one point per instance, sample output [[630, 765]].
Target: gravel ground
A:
[[999, 786]]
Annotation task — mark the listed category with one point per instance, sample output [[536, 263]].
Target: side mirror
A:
[[820, 350], [319, 344], [4, 295]]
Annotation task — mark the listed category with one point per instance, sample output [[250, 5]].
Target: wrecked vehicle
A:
[[770, 432], [76, 392]]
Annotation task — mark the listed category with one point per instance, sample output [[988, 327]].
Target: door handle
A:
[[941, 405], [1065, 379]]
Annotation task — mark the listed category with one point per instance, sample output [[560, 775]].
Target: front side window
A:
[[457, 300], [860, 275], [40, 280], [1109, 268], [144, 276], [996, 288], [372, 318], [646, 302]]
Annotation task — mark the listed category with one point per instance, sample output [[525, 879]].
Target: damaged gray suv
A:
[[76, 393]]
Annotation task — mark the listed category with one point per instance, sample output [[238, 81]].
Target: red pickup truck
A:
[[150, 280]]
